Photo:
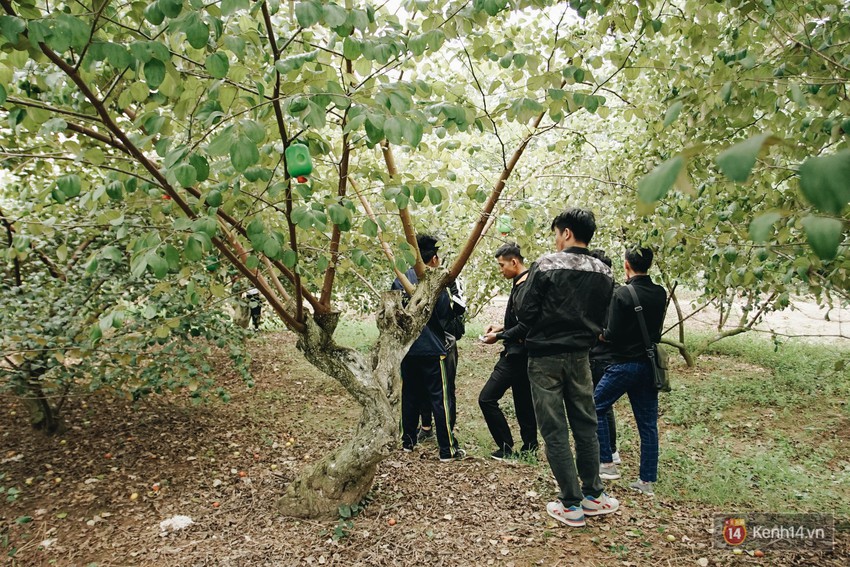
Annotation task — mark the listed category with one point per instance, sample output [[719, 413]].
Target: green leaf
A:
[[726, 92], [271, 248], [3, 96], [194, 251], [334, 15], [158, 265], [11, 27], [69, 32], [435, 195], [370, 228], [202, 167], [761, 226], [307, 13], [230, 6], [171, 8], [338, 213], [58, 195], [255, 227], [154, 14], [825, 181], [654, 186], [412, 131], [214, 198], [289, 257], [392, 130], [206, 226], [186, 175], [154, 73], [351, 48], [737, 162], [824, 235], [254, 131], [217, 65], [252, 262], [244, 153], [197, 32], [70, 185], [673, 113], [117, 55]]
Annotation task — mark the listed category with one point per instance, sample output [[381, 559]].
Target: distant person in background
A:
[[423, 368], [631, 373], [255, 306], [602, 356], [511, 370]]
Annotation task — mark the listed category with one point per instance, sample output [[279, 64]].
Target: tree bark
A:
[[345, 475], [41, 414]]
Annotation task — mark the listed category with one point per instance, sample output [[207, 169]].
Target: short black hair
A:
[[509, 250], [427, 246], [581, 222], [640, 259], [600, 255]]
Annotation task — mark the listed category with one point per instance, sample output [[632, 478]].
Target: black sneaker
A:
[[425, 434], [459, 455], [503, 454], [528, 448], [407, 448]]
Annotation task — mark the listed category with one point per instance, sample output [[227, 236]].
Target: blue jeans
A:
[[634, 379]]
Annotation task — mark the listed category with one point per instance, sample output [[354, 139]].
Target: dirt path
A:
[[98, 495]]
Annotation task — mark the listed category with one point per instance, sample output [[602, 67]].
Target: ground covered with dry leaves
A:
[[98, 494]]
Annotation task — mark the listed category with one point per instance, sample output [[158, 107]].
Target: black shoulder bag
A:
[[657, 356]]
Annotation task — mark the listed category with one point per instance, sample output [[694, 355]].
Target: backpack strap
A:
[[647, 343]]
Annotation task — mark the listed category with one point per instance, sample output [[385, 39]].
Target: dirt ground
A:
[[98, 494]]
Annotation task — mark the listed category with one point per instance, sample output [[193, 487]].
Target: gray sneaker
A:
[[643, 487], [609, 472]]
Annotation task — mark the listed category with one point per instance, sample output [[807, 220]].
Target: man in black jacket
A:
[[601, 357], [561, 308], [423, 369], [511, 371], [631, 373]]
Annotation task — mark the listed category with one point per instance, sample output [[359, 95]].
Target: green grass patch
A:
[[759, 425]]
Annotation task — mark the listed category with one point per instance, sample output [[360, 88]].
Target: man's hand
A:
[[494, 329], [489, 338]]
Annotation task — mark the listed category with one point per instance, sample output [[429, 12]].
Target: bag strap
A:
[[639, 311]]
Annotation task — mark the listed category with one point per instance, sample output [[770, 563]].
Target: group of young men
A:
[[564, 318]]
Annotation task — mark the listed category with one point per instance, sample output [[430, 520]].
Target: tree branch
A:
[[408, 287], [404, 214]]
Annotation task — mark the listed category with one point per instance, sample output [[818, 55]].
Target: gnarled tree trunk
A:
[[345, 475]]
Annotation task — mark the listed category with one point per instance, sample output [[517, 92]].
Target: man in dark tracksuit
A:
[[511, 370], [631, 374], [454, 329], [424, 368], [562, 305]]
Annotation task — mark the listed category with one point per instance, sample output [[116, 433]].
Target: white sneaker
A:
[[608, 472], [602, 504], [643, 487], [572, 516], [615, 458]]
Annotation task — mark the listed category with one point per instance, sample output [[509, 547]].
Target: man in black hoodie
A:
[[561, 308], [423, 369]]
